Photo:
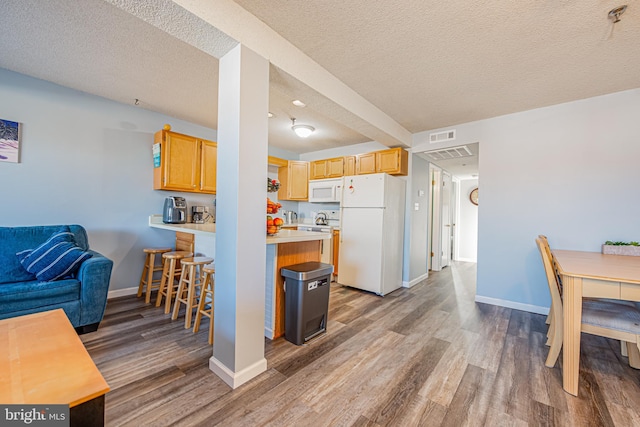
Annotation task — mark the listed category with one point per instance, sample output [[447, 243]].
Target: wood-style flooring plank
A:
[[428, 355]]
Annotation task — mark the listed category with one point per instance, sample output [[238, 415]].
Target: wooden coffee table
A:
[[43, 361]]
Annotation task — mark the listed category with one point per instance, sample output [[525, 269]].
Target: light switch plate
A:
[[416, 206]]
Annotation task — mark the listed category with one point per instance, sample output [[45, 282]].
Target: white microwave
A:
[[325, 190]]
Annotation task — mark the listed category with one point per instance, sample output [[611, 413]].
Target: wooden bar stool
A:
[[190, 279], [206, 296], [171, 272], [146, 279], [185, 243]]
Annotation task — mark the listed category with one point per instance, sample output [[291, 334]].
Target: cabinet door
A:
[[181, 162], [393, 161], [299, 181], [335, 167], [208, 166], [365, 163], [336, 250], [318, 169], [349, 165], [294, 181]]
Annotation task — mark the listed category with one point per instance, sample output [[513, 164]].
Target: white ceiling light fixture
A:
[[303, 131], [298, 103]]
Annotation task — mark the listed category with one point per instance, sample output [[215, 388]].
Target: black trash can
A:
[[306, 288]]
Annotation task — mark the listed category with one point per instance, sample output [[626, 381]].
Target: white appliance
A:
[[326, 250], [372, 233], [325, 190]]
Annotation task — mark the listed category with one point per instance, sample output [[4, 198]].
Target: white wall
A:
[[87, 160], [416, 222], [467, 223], [569, 171]]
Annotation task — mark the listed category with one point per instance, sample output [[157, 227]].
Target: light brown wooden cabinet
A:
[[349, 165], [294, 180], [336, 251], [327, 168], [187, 163], [366, 163], [394, 161]]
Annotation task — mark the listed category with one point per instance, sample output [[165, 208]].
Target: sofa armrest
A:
[[94, 275]]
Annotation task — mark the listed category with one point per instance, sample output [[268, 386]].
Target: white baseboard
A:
[[268, 333], [466, 259], [236, 379], [415, 281], [515, 305], [122, 292]]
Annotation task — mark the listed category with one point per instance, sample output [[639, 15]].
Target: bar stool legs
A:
[[190, 279], [172, 268], [206, 296], [146, 279]]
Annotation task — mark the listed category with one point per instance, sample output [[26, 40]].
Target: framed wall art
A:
[[9, 141]]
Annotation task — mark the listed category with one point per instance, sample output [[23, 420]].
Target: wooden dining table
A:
[[590, 275]]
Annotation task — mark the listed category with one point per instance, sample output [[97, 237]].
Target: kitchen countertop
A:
[[283, 236]]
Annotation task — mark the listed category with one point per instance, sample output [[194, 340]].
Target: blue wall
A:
[[569, 171], [87, 160]]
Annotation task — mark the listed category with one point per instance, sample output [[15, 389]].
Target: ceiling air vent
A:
[[448, 135], [450, 153]]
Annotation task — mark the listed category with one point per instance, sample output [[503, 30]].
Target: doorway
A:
[[452, 223]]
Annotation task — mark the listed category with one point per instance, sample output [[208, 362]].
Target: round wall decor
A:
[[473, 196]]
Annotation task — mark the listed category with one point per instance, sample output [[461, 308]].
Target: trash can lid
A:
[[306, 270]]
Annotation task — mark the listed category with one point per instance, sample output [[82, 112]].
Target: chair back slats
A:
[[552, 278], [554, 264]]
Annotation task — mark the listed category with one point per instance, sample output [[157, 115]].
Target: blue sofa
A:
[[83, 296]]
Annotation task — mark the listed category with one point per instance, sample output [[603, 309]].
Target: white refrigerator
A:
[[372, 232]]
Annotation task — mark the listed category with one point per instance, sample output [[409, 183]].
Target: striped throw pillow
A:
[[56, 258]]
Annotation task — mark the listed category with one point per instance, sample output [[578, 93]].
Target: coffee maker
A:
[[175, 210], [197, 214]]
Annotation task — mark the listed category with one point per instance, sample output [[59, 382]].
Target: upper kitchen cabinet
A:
[[349, 165], [327, 168], [208, 166], [394, 161], [366, 163], [187, 163], [294, 180]]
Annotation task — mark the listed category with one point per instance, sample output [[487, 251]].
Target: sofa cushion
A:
[[56, 258], [28, 295], [17, 239]]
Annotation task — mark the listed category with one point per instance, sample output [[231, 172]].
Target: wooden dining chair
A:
[[549, 321], [607, 318]]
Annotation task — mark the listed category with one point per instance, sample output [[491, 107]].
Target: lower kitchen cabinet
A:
[[336, 251]]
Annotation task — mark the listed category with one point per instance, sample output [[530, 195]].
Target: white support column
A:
[[243, 103]]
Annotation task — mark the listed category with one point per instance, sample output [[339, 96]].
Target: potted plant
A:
[[621, 248]]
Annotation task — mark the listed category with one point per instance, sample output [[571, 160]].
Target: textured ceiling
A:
[[426, 64], [431, 64]]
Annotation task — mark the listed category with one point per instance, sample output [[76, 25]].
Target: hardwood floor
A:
[[424, 356]]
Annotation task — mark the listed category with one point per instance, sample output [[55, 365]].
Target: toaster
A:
[[175, 210]]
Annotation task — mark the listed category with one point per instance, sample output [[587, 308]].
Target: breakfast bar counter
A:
[[285, 235], [288, 247]]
